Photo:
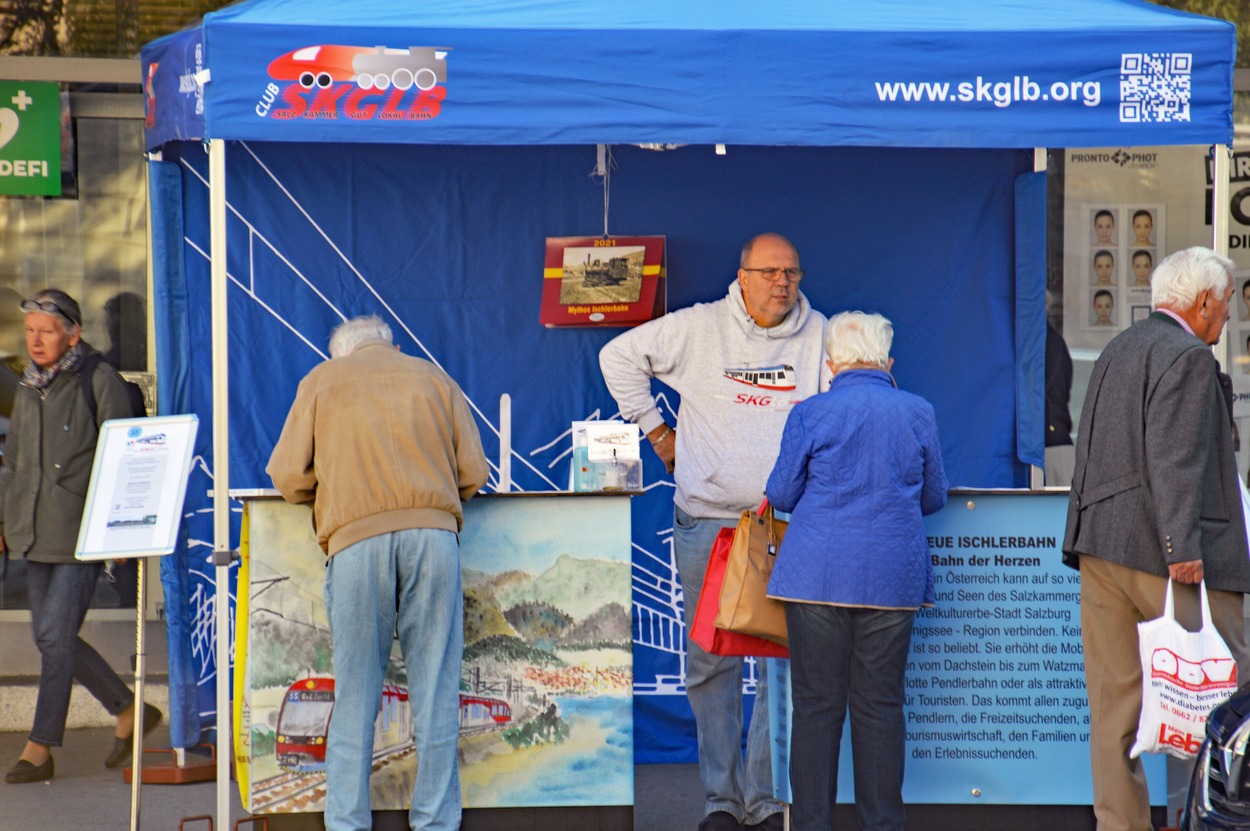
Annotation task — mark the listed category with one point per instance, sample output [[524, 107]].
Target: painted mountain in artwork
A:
[[578, 588]]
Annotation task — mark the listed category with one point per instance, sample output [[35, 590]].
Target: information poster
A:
[[995, 689], [138, 481]]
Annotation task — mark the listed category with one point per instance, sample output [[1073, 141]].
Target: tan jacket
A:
[[378, 442]]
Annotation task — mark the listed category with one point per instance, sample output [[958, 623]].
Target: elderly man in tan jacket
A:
[[386, 450]]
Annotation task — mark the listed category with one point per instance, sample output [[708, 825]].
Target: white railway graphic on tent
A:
[[657, 595]]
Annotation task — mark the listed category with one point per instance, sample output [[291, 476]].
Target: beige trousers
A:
[[1114, 599]]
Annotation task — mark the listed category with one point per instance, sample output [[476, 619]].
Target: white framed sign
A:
[[138, 481]]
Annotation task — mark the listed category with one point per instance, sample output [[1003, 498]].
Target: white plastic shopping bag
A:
[[1184, 676]]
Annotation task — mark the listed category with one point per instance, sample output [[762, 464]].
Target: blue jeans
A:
[[405, 583], [714, 688], [840, 653], [59, 596]]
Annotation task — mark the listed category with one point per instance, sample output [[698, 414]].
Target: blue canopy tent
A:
[[894, 143]]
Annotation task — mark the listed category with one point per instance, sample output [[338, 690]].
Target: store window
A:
[[92, 243], [1114, 213]]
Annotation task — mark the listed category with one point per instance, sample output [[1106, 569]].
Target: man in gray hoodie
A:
[[740, 364]]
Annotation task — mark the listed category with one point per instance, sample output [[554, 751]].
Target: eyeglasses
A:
[[48, 307], [790, 275]]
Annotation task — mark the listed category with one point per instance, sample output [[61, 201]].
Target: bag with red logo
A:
[[1184, 676]]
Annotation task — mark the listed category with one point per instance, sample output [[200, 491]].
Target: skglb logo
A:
[[357, 82], [1211, 674]]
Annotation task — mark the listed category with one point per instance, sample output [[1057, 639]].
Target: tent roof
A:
[[978, 73], [896, 16]]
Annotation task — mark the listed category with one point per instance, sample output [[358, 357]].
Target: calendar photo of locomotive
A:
[[602, 281]]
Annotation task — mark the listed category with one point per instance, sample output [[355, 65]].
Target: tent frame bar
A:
[[222, 554]]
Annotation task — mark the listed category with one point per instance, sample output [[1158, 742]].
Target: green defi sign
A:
[[30, 138]]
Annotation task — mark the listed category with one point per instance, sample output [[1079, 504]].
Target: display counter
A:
[[996, 706]]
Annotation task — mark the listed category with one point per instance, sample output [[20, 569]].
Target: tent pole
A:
[[221, 467], [1219, 198], [1037, 475], [1219, 225]]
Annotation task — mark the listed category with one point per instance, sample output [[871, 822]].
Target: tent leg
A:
[[136, 751], [221, 466], [1037, 476]]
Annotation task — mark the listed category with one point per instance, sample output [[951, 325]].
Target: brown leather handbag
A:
[[745, 606]]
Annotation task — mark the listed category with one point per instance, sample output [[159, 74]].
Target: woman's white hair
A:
[[1182, 276], [352, 333], [859, 337]]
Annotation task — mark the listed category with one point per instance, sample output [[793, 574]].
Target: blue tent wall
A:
[[446, 244]]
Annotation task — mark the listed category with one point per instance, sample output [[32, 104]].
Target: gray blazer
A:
[[1156, 480]]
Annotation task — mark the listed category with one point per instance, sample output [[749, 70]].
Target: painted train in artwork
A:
[[304, 721]]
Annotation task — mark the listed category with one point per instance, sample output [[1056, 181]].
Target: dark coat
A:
[[1156, 480], [49, 453]]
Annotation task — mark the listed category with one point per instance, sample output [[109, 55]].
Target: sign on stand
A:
[[138, 481]]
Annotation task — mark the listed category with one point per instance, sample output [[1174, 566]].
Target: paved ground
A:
[[86, 795]]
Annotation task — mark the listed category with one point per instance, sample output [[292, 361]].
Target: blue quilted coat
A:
[[859, 466]]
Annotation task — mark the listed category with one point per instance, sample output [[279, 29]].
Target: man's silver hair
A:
[[1182, 276], [859, 337], [352, 333]]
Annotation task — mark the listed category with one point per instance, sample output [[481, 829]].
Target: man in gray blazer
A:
[[1154, 495]]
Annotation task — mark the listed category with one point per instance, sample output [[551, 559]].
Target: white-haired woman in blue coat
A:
[[859, 466]]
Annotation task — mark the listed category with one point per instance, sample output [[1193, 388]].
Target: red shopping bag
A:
[[704, 632]]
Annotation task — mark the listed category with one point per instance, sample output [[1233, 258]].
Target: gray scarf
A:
[[38, 378]]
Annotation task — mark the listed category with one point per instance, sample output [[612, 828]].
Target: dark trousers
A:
[[59, 596], [842, 656]]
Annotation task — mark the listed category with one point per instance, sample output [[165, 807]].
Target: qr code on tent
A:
[[1155, 86]]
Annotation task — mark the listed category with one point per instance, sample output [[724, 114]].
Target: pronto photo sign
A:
[[30, 138], [138, 481]]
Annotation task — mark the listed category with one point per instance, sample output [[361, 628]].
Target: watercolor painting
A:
[[545, 685]]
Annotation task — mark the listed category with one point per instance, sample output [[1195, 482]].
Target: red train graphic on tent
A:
[[304, 721], [780, 377], [370, 67]]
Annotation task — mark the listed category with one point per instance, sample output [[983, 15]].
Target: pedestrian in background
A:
[[49, 454]]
